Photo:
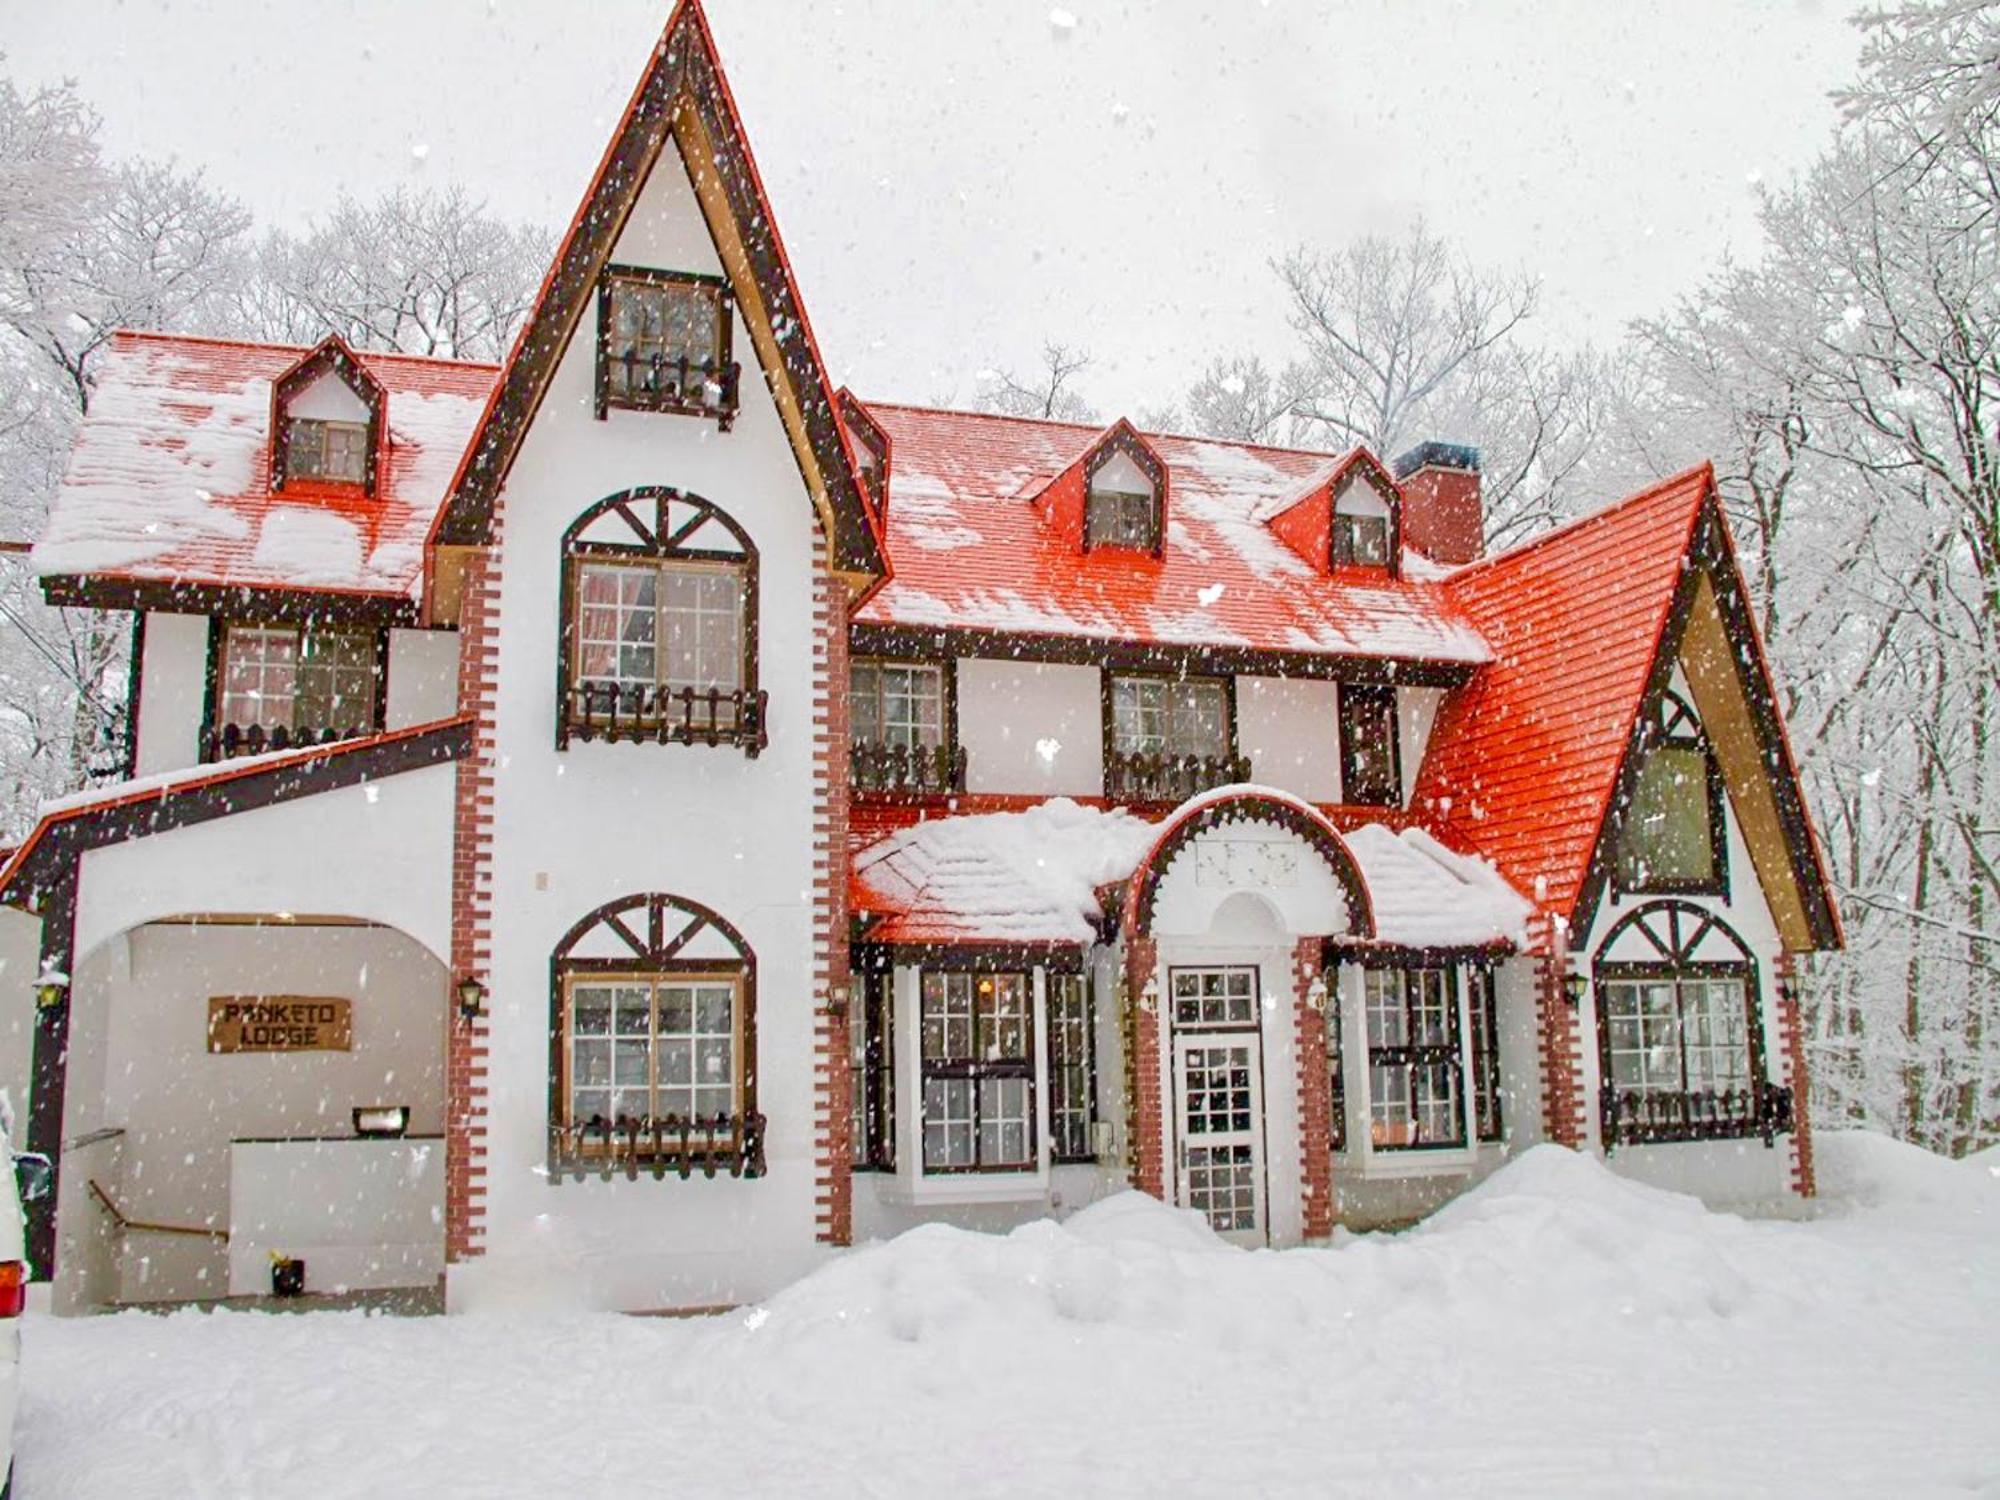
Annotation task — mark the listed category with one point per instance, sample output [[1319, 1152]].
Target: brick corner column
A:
[[471, 916], [1792, 1037], [833, 1167], [1310, 1000], [1556, 1032], [1146, 1113]]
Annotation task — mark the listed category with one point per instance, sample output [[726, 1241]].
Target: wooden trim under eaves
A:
[[241, 602]]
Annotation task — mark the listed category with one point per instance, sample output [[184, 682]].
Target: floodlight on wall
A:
[[471, 998], [381, 1120]]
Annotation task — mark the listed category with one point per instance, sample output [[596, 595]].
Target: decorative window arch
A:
[[1672, 835], [659, 624], [653, 1043], [1680, 1032], [1248, 807]]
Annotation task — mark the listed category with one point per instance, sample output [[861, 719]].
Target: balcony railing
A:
[[668, 716], [680, 1145], [1632, 1118], [909, 769], [1136, 777], [656, 383], [232, 740]]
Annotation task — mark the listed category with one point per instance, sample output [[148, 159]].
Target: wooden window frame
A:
[[1336, 1067], [1352, 695], [1232, 765], [727, 372], [1482, 1014], [676, 516], [218, 741], [1671, 723], [874, 1026], [652, 932], [332, 357], [694, 971], [977, 1070], [1342, 540], [1059, 1103], [877, 769], [1122, 440], [1416, 1056]]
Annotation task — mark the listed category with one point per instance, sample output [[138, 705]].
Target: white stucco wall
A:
[[1416, 713], [328, 399], [146, 993], [1290, 729], [173, 683], [1032, 728], [20, 963], [423, 676], [574, 829]]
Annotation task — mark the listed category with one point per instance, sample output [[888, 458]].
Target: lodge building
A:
[[705, 817]]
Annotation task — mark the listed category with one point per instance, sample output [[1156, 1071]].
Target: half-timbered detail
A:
[[1051, 809], [660, 624]]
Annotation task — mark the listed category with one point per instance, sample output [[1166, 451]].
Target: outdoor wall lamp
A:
[[471, 998], [1575, 986], [50, 989]]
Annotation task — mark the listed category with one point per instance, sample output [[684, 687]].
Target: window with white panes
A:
[[335, 451], [1215, 997], [641, 1048], [665, 343], [295, 684], [1072, 1067], [977, 1048], [896, 704], [1414, 1062], [1677, 1034], [1170, 716], [659, 625]]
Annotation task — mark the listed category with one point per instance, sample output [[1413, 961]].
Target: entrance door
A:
[[1221, 1113]]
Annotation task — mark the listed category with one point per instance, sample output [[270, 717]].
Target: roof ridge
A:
[[1100, 427], [1604, 512], [272, 346]]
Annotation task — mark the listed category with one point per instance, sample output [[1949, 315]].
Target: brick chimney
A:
[[1442, 516]]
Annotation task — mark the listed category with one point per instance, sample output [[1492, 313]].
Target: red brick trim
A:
[[1791, 1039], [1145, 1111], [1557, 1035], [471, 913], [833, 1175], [1311, 998]]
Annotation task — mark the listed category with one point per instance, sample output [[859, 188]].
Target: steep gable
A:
[[1529, 761], [683, 98]]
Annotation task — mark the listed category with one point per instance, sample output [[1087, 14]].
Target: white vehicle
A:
[[30, 1180]]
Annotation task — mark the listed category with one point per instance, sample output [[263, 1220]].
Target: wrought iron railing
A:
[[1137, 777], [656, 382], [669, 716], [878, 767], [680, 1145], [1634, 1118], [231, 740]]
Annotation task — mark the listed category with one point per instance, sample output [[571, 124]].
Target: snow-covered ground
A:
[[1559, 1331]]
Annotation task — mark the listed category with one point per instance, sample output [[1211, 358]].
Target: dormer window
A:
[[663, 343], [332, 451], [1363, 532], [1123, 495]]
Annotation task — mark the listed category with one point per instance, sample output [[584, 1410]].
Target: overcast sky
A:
[[957, 180]]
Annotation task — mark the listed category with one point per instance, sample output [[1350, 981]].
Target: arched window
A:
[[653, 1043], [1680, 1040], [1671, 837], [659, 624]]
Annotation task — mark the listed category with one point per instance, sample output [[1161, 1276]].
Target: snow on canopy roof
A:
[[169, 477], [1033, 876], [970, 550]]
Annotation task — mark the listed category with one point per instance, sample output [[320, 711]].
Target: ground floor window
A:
[[652, 1047], [977, 1050], [1336, 1073], [870, 1031], [1483, 1011], [1414, 1064], [1072, 1025]]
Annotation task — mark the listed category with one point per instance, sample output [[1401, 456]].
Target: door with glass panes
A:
[[1218, 1099]]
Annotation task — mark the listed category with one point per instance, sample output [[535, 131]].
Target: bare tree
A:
[[1238, 397], [1049, 392]]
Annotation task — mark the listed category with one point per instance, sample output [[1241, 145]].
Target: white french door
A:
[[1218, 1102]]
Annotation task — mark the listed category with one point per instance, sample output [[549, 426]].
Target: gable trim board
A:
[[684, 97]]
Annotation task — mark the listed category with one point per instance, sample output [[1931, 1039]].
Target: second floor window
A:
[[284, 685], [647, 627], [1370, 770], [664, 343], [335, 451], [1168, 716], [897, 704]]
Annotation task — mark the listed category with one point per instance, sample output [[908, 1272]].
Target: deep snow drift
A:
[[1557, 1331]]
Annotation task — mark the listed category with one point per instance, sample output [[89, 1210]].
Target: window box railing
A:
[[1631, 1118], [232, 740], [929, 769], [668, 716], [657, 383], [678, 1144], [1134, 777]]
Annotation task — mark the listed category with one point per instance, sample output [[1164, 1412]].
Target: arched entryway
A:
[[1225, 923]]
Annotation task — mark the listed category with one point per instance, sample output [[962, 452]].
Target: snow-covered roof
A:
[[1033, 876], [972, 550], [169, 478]]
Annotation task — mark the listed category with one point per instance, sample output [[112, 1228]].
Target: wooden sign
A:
[[280, 1023]]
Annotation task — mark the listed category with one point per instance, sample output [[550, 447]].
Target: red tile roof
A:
[[1524, 759], [970, 549], [169, 478]]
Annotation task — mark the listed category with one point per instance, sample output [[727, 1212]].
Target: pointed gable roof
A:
[[1527, 761], [1061, 499], [683, 96], [1305, 522], [331, 356]]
